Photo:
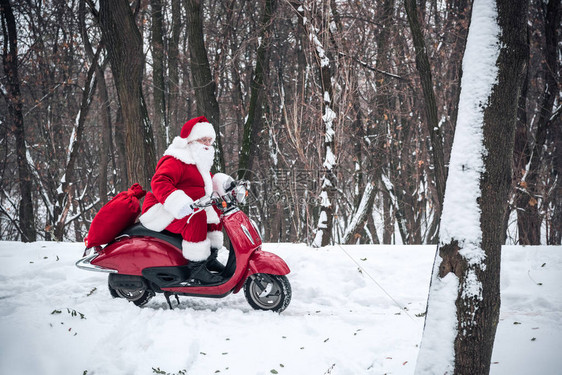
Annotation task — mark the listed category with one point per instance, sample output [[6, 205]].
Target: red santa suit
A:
[[183, 176]]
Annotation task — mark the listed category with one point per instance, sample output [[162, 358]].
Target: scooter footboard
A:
[[264, 262]]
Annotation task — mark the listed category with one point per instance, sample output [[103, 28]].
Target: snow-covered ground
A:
[[355, 310]]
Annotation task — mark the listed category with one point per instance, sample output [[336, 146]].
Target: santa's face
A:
[[203, 153]]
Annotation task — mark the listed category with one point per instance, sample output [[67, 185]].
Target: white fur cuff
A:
[[221, 181], [176, 203], [216, 237], [196, 251], [156, 218], [212, 217]]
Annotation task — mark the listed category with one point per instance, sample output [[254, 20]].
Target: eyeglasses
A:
[[207, 141]]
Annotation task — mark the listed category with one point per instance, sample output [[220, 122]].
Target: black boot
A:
[[199, 272], [213, 264]]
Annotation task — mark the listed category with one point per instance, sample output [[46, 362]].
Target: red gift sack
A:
[[117, 214]]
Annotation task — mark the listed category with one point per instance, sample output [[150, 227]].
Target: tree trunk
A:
[[205, 87], [528, 192], [555, 230], [173, 75], [325, 59], [123, 41], [466, 277], [253, 125], [66, 188], [158, 68], [360, 216], [15, 116], [105, 134], [430, 103]]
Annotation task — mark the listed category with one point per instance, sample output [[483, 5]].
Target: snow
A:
[[443, 328], [342, 320], [330, 160], [328, 118]]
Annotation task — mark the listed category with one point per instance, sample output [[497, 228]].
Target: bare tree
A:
[[123, 42], [204, 85], [253, 124], [535, 125], [464, 298], [14, 102], [158, 69], [430, 102]]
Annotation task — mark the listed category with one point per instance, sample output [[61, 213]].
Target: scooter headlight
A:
[[240, 192]]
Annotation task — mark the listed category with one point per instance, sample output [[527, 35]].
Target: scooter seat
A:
[[140, 230]]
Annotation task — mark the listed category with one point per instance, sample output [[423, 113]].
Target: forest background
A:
[[341, 113]]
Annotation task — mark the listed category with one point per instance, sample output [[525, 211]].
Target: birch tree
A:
[[464, 297]]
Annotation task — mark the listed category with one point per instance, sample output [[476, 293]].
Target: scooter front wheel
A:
[[268, 292]]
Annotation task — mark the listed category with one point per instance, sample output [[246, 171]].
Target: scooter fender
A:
[[263, 262], [131, 255]]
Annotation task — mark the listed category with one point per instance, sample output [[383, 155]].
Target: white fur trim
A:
[[196, 251], [217, 238], [207, 180], [212, 217], [201, 130], [220, 180], [176, 204], [157, 218], [179, 150]]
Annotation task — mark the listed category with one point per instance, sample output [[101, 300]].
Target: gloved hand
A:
[[185, 210]]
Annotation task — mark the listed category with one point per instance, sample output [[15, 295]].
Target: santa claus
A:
[[183, 176]]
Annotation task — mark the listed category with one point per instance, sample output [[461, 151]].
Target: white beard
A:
[[204, 156]]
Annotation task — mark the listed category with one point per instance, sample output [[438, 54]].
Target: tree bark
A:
[[360, 216], [324, 57], [105, 136], [173, 71], [430, 103], [531, 157], [15, 116], [123, 41], [203, 83], [66, 188], [158, 68], [253, 124]]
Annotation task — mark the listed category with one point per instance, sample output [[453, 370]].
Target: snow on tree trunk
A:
[[321, 38], [463, 303], [360, 215]]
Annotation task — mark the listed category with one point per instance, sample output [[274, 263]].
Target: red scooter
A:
[[141, 262]]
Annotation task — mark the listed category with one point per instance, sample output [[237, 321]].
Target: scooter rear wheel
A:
[[268, 292], [139, 296]]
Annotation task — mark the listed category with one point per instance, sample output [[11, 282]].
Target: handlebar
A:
[[230, 197], [206, 201]]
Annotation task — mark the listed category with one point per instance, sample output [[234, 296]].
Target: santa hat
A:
[[197, 128]]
